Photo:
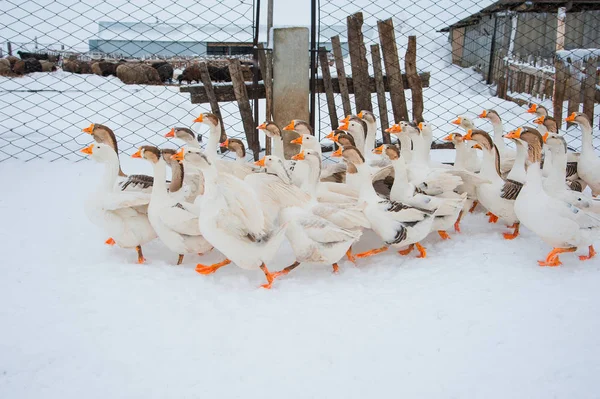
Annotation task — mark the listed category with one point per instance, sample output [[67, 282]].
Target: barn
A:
[[141, 39], [523, 29]]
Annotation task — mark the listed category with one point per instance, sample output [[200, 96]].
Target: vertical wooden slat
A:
[[414, 81], [560, 79], [328, 86], [458, 41], [380, 88], [212, 99], [359, 63], [387, 37], [589, 87], [241, 95], [264, 61], [9, 48], [572, 91], [542, 90], [560, 28], [341, 74]]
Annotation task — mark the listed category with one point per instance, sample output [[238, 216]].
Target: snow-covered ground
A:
[[477, 318]]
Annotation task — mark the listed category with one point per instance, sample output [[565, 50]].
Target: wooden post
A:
[[264, 61], [328, 88], [589, 87], [359, 63], [387, 37], [9, 48], [241, 95], [341, 74], [212, 99], [414, 82], [380, 88], [560, 28], [560, 79], [573, 91]]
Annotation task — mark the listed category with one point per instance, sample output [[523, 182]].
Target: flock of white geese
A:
[[245, 210]]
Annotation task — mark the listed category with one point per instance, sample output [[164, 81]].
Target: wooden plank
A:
[[458, 40], [572, 91], [542, 90], [358, 62], [241, 95], [560, 28], [380, 88], [212, 99], [559, 90], [410, 64], [341, 74], [589, 87], [328, 88], [265, 64], [387, 38]]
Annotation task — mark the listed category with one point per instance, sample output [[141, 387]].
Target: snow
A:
[[579, 54], [83, 320]]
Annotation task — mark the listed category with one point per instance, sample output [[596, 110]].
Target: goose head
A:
[[307, 141], [193, 157], [149, 153], [355, 126], [539, 110], [102, 134], [579, 118], [426, 129], [184, 134], [271, 129], [491, 115], [367, 116], [274, 165], [353, 155], [209, 119], [388, 151], [299, 126], [345, 140], [481, 137], [334, 134], [235, 145], [100, 152], [548, 122], [532, 138], [555, 143], [464, 122]]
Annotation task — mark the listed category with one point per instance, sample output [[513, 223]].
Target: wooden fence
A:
[[359, 83]]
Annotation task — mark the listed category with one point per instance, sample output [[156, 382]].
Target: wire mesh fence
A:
[[62, 62], [68, 68]]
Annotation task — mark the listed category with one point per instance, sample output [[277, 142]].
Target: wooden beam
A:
[[559, 90], [380, 88], [328, 88], [573, 91], [387, 37], [212, 99], [241, 95], [265, 63], [358, 62], [410, 64], [589, 87], [341, 74]]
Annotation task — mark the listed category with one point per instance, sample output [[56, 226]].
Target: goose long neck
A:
[[498, 139], [517, 173], [159, 188], [278, 147], [213, 141], [400, 184], [366, 190], [314, 174], [111, 171], [405, 147], [460, 162], [419, 150], [359, 139], [490, 164], [177, 176], [587, 138], [558, 168], [534, 177], [371, 136], [210, 181]]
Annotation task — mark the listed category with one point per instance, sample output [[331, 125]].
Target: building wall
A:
[[147, 48]]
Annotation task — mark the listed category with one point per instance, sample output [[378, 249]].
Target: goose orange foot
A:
[[422, 251], [472, 208], [270, 277], [350, 256], [492, 218], [457, 223], [141, 258], [180, 259], [336, 268], [372, 252], [443, 235], [514, 234], [592, 253], [110, 241], [552, 258], [407, 251], [286, 270], [202, 269]]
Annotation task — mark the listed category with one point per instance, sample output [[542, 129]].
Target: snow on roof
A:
[[579, 54], [186, 32]]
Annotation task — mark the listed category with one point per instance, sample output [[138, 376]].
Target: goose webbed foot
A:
[[371, 252], [141, 258], [110, 241], [552, 258], [592, 253], [514, 234], [203, 269]]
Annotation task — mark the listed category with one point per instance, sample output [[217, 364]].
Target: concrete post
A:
[[290, 81]]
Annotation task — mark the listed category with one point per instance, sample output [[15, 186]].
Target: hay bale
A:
[[134, 73]]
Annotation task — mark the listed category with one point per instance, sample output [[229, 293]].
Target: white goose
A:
[[176, 227], [464, 122], [588, 166], [538, 110], [231, 218], [559, 224], [371, 137], [507, 154], [118, 212]]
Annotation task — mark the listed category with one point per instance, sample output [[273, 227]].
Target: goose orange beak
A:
[[532, 109], [457, 121], [420, 125], [514, 134], [539, 120], [378, 150], [137, 154], [299, 156], [344, 126], [331, 136], [395, 129], [469, 135], [571, 118], [545, 136], [260, 162], [224, 144], [477, 146], [178, 156], [337, 153], [297, 140], [88, 150], [449, 137], [171, 133], [200, 118], [360, 114], [262, 126], [483, 114], [89, 129], [345, 120], [290, 126]]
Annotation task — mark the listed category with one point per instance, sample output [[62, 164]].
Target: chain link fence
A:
[[478, 55], [63, 75]]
